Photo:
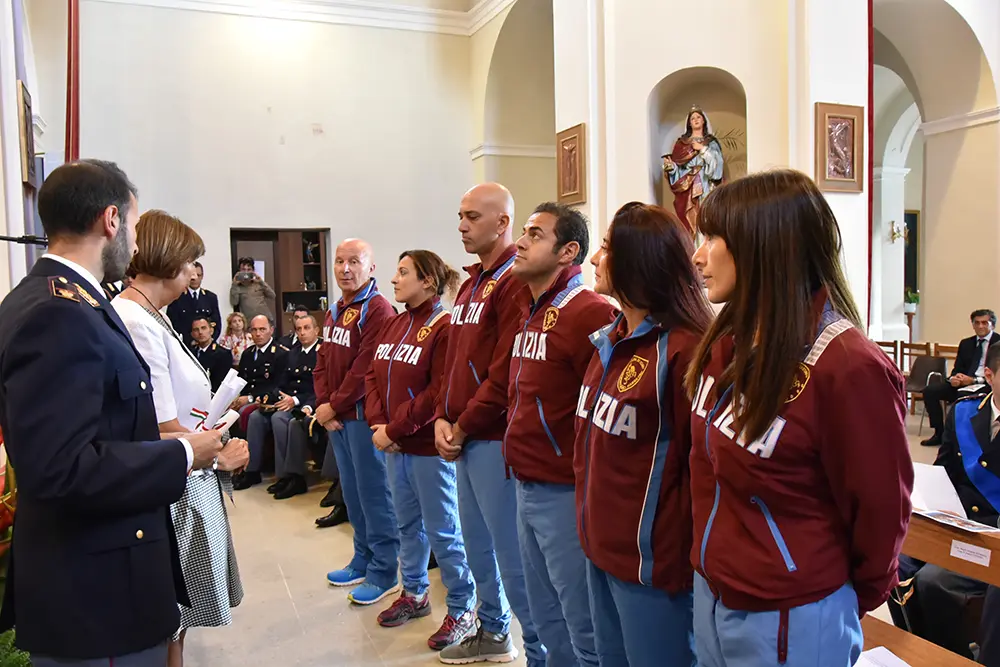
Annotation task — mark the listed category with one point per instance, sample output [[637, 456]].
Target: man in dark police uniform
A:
[[94, 576]]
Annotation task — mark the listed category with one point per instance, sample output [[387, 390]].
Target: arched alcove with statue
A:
[[698, 137]]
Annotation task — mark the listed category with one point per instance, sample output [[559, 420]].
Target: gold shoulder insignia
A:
[[984, 402], [215, 346], [282, 347], [61, 291], [273, 350], [86, 296]]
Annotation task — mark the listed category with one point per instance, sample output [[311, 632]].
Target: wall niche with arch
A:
[[721, 98]]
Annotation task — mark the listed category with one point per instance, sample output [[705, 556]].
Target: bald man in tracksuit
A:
[[551, 355], [472, 418]]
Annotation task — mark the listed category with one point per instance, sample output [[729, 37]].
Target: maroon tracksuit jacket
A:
[[405, 376], [633, 438], [551, 354], [350, 332], [823, 498], [483, 324]]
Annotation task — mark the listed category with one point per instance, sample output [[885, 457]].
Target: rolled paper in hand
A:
[[227, 393]]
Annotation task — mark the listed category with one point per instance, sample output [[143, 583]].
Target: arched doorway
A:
[[519, 117], [953, 93]]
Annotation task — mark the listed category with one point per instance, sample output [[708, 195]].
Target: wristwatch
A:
[[215, 463]]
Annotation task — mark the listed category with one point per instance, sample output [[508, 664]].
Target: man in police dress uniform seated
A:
[[295, 393], [262, 367], [970, 453], [291, 340], [94, 575], [214, 358], [194, 303]]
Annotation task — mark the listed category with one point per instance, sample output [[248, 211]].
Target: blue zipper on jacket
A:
[[388, 386], [545, 426], [451, 375], [775, 533], [718, 487]]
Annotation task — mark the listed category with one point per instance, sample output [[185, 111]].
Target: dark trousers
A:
[[934, 395], [943, 597], [152, 657]]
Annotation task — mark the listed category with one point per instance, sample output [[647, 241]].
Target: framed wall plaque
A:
[[840, 147], [26, 125], [571, 165]]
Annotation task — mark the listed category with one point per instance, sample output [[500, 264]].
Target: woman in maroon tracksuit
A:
[[800, 467], [633, 436], [400, 393]]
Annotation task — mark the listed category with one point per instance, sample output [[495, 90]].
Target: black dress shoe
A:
[[337, 516], [933, 441], [279, 485], [333, 497], [296, 486], [432, 562], [246, 480]]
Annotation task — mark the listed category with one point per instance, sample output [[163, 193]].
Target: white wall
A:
[[913, 199], [231, 121]]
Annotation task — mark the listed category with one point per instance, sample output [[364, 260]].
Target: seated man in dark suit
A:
[[214, 358], [970, 453], [262, 366], [195, 302], [291, 340], [94, 575], [967, 375], [295, 396]]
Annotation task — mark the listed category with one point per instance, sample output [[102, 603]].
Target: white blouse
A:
[[180, 385]]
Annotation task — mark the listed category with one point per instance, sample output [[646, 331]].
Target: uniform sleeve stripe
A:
[[567, 295], [504, 268], [436, 317], [825, 338]]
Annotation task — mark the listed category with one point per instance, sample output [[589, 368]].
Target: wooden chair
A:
[[949, 352], [891, 349], [932, 543], [908, 353]]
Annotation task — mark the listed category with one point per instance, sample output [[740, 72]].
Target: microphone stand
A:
[[26, 240]]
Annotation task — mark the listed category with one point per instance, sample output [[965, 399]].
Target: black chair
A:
[[924, 372]]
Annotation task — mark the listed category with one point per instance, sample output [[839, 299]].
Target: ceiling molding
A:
[[513, 150], [366, 13], [485, 11], [961, 122]]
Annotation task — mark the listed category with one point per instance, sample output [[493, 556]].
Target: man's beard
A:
[[116, 256]]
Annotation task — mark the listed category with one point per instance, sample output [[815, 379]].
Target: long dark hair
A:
[[786, 245], [428, 263], [649, 263]]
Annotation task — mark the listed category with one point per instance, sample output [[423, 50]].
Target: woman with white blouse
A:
[[182, 392]]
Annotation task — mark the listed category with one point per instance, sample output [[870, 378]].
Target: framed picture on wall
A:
[[840, 147], [571, 165], [28, 174]]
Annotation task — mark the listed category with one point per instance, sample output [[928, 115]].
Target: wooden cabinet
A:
[[302, 273], [290, 269]]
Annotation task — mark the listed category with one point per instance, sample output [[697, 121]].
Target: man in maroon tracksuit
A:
[[551, 355], [350, 334], [472, 407]]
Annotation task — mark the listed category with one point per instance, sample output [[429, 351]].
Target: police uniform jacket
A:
[[215, 359], [966, 445], [263, 369], [297, 381], [94, 570], [186, 309]]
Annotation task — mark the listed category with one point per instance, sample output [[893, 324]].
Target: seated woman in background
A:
[[236, 338], [800, 466], [633, 437], [167, 249]]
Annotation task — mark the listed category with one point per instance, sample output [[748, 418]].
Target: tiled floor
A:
[[291, 617]]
